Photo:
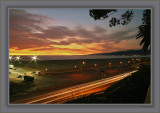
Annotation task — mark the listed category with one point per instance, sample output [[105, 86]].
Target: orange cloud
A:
[[31, 34]]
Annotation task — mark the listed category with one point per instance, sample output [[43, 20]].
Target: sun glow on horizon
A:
[[72, 49], [41, 34]]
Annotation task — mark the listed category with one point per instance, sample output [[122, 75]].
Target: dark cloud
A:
[[99, 29], [122, 34], [21, 20], [23, 17], [82, 32], [95, 37], [25, 43], [27, 31], [55, 32]]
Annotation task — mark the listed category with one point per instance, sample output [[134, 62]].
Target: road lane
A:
[[73, 92]]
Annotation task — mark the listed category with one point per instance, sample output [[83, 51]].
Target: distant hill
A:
[[127, 52]]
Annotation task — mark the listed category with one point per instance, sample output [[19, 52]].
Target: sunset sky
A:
[[68, 31]]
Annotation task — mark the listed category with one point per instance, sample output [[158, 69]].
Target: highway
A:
[[74, 92]]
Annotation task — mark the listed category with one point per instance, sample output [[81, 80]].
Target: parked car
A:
[[28, 78], [19, 76], [33, 72]]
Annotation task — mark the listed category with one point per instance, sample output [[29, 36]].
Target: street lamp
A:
[[109, 64], [128, 61], [75, 67], [34, 58], [10, 57], [102, 73], [83, 63], [95, 65], [18, 58], [121, 62]]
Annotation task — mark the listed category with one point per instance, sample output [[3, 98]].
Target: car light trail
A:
[[73, 92]]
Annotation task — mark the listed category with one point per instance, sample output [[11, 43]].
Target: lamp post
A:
[[95, 65], [121, 63], [133, 60], [10, 57], [18, 58], [75, 67], [34, 58], [109, 64], [83, 63], [102, 73]]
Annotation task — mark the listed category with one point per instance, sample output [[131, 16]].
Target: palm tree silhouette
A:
[[145, 30]]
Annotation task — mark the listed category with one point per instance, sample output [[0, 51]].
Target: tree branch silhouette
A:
[[144, 29]]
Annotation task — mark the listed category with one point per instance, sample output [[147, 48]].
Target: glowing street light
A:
[[18, 58], [109, 64], [10, 57], [83, 62], [46, 69], [129, 62], [121, 62], [75, 68], [95, 65], [34, 58]]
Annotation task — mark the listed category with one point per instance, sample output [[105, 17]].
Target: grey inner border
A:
[[81, 108], [85, 104]]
